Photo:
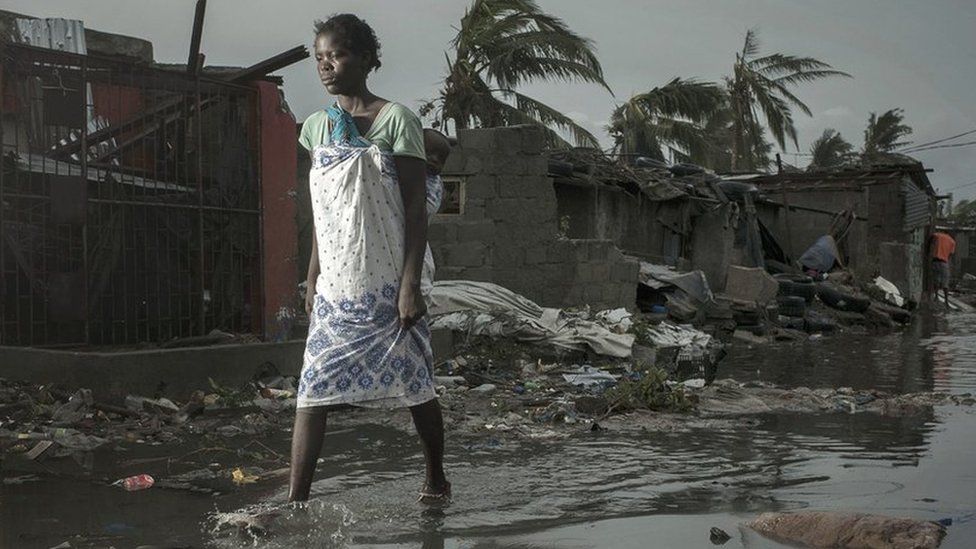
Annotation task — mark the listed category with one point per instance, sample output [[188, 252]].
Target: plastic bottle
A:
[[137, 482]]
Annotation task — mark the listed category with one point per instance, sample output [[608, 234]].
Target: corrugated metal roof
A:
[[56, 34], [918, 205]]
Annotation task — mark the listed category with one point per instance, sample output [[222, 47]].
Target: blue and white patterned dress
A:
[[356, 351]]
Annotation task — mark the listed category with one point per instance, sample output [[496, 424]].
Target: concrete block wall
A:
[[508, 230]]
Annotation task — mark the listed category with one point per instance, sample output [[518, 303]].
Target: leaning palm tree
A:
[[501, 45], [763, 84], [830, 149], [672, 116], [885, 133]]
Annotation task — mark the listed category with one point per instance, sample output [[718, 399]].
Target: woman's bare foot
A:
[[435, 495]]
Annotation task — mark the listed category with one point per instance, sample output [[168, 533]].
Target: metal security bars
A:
[[129, 202]]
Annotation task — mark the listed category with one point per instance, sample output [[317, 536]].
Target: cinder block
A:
[[534, 165], [601, 272], [502, 209], [510, 187], [479, 139], [600, 251], [536, 255], [573, 296], [561, 252], [477, 231], [455, 162], [482, 274], [474, 209], [625, 271], [533, 140], [481, 187], [469, 254], [442, 232], [472, 164], [509, 256]]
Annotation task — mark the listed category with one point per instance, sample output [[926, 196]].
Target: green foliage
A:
[[830, 149], [763, 85], [651, 392], [885, 133], [500, 45], [673, 116]]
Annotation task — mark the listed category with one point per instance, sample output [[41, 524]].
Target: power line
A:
[[949, 146], [920, 145]]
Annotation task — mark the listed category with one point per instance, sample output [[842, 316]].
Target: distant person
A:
[[941, 248], [369, 341]]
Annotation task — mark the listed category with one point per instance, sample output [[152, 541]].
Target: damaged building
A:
[[139, 202]]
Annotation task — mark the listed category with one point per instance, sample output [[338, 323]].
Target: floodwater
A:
[[594, 489]]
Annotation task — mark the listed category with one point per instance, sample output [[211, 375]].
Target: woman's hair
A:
[[352, 33]]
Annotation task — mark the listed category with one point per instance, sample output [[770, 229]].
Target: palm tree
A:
[[670, 116], [884, 133], [830, 149], [764, 84], [500, 45]]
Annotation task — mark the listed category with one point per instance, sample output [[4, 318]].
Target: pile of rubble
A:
[[757, 306]]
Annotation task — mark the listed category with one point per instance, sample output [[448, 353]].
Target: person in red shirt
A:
[[941, 247]]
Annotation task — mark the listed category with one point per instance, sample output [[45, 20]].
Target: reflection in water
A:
[[669, 487]]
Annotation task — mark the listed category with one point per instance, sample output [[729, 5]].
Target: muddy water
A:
[[593, 489]]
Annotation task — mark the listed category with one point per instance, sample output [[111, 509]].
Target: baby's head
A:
[[437, 148]]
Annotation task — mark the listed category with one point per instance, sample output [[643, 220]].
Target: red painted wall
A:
[[279, 230]]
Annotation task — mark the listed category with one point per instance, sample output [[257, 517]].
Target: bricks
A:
[[481, 139], [507, 257], [477, 231], [471, 254], [601, 272], [481, 187], [441, 233]]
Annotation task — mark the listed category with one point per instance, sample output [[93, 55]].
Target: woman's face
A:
[[341, 71]]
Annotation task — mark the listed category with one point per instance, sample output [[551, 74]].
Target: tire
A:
[[791, 305], [836, 298], [806, 290], [798, 285]]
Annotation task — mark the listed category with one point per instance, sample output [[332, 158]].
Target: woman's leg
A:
[[429, 422], [306, 444]]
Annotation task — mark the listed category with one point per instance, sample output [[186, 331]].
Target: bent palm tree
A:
[[764, 84], [505, 43], [884, 133], [830, 149], [670, 116]]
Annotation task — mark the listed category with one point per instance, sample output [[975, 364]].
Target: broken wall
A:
[[596, 210], [507, 231], [797, 230]]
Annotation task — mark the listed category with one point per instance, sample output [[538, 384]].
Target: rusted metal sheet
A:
[[145, 224]]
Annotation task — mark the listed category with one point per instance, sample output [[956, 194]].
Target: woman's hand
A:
[[411, 306], [309, 297]]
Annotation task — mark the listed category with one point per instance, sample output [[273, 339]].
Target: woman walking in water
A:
[[368, 342]]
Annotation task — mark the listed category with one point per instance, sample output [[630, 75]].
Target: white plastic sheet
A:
[[483, 308]]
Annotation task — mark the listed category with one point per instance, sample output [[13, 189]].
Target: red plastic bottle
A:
[[138, 482]]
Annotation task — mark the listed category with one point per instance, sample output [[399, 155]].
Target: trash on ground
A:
[[135, 483], [849, 530]]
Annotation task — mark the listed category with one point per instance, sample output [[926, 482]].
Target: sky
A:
[[919, 56]]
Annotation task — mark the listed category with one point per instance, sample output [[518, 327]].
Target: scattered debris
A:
[[718, 536], [849, 530], [135, 483]]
